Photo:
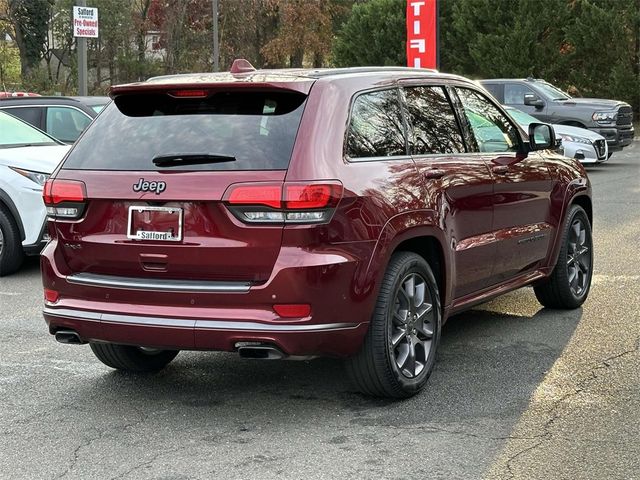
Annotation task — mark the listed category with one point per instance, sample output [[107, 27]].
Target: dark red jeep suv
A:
[[297, 213]]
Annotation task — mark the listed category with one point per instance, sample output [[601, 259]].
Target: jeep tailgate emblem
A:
[[144, 186]]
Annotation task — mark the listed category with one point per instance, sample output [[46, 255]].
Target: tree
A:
[[562, 43], [374, 34], [610, 72], [30, 19], [304, 27], [512, 38], [245, 26]]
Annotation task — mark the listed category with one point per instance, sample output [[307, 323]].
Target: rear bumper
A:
[[176, 315], [337, 339]]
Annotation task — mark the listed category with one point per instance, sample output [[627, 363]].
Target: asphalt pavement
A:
[[518, 392]]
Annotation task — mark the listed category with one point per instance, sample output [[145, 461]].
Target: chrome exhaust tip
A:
[[259, 351], [69, 337]]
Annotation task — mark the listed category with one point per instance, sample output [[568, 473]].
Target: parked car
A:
[[610, 118], [18, 94], [63, 118], [296, 213], [27, 158], [584, 145], [97, 103]]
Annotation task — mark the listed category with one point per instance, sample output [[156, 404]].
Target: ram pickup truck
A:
[[610, 118]]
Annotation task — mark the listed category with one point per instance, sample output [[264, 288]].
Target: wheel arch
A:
[[573, 123], [415, 232], [7, 204], [585, 202], [429, 248], [578, 195]]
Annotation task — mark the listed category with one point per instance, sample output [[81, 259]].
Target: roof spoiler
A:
[[240, 65]]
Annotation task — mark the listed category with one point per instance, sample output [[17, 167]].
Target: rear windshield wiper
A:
[[190, 159]]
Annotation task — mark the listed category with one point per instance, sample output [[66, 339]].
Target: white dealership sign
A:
[[85, 22]]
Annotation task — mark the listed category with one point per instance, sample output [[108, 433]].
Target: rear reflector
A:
[[51, 296], [292, 310]]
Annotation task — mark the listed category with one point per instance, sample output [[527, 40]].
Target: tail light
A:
[[292, 202], [64, 198]]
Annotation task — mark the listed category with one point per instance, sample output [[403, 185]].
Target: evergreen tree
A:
[[374, 34]]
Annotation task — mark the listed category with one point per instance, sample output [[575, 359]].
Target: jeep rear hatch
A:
[[148, 179]]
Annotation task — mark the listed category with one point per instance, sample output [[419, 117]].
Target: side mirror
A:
[[541, 136], [533, 100]]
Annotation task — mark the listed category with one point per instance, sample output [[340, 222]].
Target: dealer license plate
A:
[[163, 224]]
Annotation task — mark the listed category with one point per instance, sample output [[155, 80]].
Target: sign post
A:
[[216, 43], [85, 25], [422, 34]]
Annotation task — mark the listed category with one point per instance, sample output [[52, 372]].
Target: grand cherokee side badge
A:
[[144, 186]]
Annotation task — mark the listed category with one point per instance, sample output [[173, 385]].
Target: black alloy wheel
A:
[[398, 352], [570, 281]]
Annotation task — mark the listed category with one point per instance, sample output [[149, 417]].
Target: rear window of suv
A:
[[251, 130]]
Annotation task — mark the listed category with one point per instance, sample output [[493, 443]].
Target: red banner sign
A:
[[422, 33]]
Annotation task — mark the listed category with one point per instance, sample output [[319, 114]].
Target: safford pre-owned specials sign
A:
[[85, 22]]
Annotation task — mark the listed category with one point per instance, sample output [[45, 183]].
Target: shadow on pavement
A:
[[488, 366]]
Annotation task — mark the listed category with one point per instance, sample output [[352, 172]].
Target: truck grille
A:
[[600, 146], [625, 116]]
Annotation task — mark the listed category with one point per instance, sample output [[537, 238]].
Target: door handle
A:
[[500, 169], [434, 173]]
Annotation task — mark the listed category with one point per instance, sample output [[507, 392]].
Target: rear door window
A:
[[376, 128], [248, 130], [66, 123], [432, 124], [31, 115]]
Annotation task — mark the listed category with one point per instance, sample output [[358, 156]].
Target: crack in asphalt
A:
[[146, 462], [75, 456], [581, 386], [432, 429]]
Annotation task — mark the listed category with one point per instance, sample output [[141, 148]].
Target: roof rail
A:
[[240, 65]]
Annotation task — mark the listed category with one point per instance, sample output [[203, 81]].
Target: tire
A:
[[569, 283], [381, 369], [132, 359], [11, 253]]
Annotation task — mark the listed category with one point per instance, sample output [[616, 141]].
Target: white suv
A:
[[27, 157]]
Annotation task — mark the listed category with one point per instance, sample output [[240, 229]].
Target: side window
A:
[[492, 130], [495, 89], [31, 115], [376, 128], [514, 93], [66, 124], [432, 124]]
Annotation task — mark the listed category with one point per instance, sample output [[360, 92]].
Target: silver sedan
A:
[[584, 145]]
